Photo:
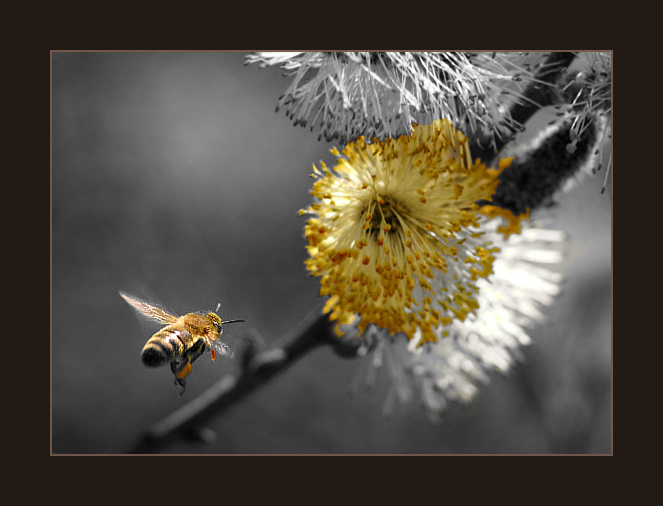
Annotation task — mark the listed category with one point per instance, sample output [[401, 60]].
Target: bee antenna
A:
[[218, 305], [232, 321]]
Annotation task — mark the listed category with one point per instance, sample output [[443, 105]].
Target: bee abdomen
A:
[[163, 347]]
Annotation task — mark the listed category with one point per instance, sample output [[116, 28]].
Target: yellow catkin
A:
[[408, 205]]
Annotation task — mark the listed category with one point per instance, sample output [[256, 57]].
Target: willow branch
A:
[[187, 422], [540, 93]]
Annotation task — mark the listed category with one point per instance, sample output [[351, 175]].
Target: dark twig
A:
[[188, 422], [538, 94]]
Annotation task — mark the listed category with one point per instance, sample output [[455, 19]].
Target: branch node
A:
[[268, 360]]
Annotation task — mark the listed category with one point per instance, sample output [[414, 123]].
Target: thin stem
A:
[[187, 422]]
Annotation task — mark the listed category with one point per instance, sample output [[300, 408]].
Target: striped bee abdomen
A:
[[164, 346]]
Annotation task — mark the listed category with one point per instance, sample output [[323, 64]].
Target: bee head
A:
[[215, 320]]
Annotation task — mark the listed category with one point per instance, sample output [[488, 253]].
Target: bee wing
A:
[[225, 348], [149, 310]]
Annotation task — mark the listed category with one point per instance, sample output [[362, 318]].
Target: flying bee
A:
[[183, 340]]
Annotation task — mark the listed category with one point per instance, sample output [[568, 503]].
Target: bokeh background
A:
[[174, 180]]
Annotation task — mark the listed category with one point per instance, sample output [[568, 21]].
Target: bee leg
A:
[[180, 370], [199, 348], [185, 370], [182, 383]]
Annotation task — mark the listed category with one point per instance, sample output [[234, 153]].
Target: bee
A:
[[183, 340]]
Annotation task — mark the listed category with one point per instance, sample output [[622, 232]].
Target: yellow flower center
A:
[[396, 233]]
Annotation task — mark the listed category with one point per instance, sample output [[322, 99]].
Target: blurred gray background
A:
[[174, 180]]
